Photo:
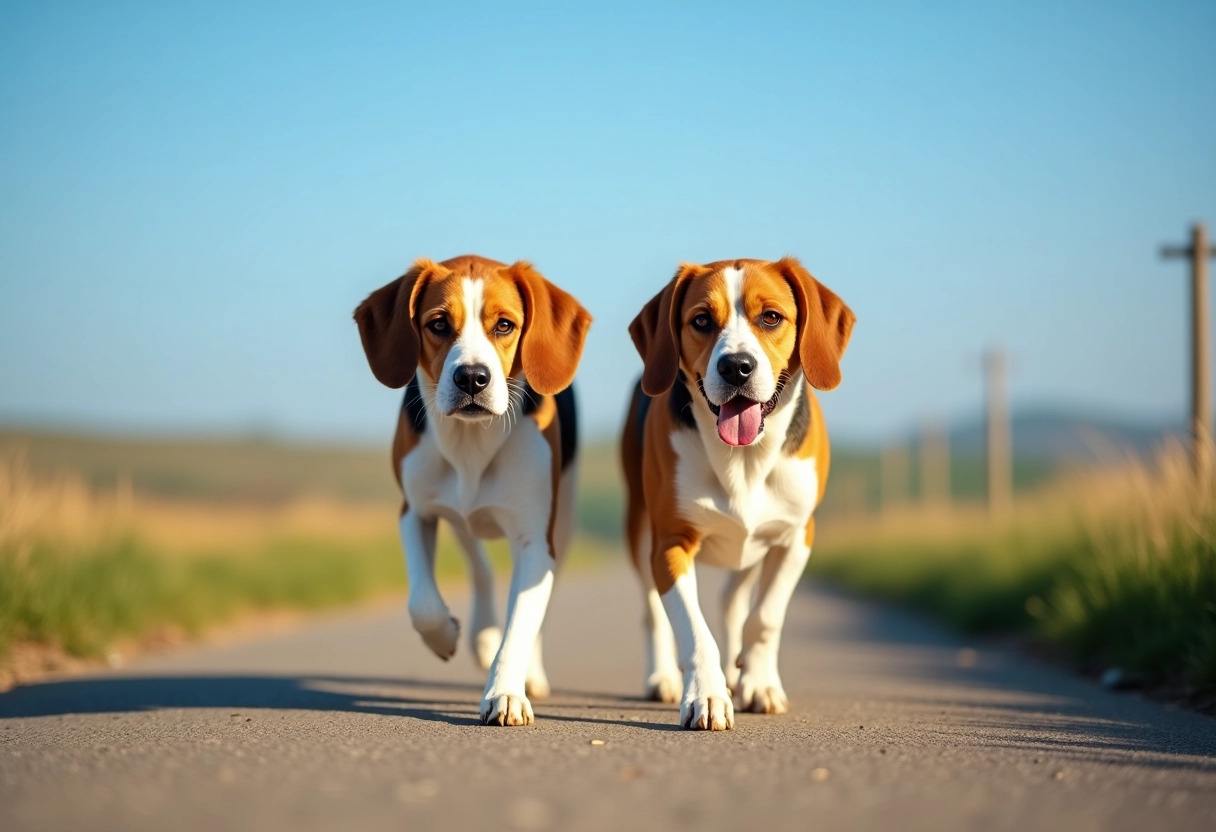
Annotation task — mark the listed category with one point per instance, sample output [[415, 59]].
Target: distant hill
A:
[[1061, 436]]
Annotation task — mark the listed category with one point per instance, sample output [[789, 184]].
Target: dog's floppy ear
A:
[[824, 325], [554, 331], [386, 325], [656, 331]]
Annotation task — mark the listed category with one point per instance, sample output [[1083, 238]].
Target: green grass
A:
[[82, 602], [976, 582], [1132, 586], [1146, 603]]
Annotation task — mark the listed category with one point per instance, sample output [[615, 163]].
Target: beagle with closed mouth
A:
[[485, 441], [726, 457]]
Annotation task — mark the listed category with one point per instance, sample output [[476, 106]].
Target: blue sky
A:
[[194, 196]]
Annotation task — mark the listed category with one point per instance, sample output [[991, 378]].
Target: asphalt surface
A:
[[351, 723]]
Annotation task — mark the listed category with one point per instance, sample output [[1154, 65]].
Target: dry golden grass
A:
[[1117, 563], [185, 528], [1148, 501], [1155, 493], [63, 510]]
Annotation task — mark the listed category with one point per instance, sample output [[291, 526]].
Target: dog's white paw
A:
[[706, 703], [708, 713], [442, 637], [759, 689], [485, 646], [537, 683], [663, 687], [731, 672], [504, 709], [763, 700]]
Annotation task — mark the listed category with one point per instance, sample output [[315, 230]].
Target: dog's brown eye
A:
[[439, 326], [702, 323], [771, 318], [504, 327]]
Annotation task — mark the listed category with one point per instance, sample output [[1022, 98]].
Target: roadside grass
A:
[[84, 601], [83, 568], [1118, 567]]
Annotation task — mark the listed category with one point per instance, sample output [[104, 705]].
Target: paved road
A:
[[351, 723]]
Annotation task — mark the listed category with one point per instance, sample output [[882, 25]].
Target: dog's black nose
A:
[[472, 378], [736, 368]]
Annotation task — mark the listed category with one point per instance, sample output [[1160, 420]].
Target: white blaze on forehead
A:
[[734, 291], [472, 292], [738, 336], [472, 346]]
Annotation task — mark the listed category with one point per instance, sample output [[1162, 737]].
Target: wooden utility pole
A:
[[894, 476], [1000, 471], [934, 465], [1198, 253]]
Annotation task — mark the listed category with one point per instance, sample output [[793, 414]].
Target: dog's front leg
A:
[[706, 703], [428, 612], [760, 689], [505, 701]]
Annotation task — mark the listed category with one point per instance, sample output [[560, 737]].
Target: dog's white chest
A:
[[484, 496], [742, 504]]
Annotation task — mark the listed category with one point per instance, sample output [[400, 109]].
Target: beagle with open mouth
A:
[[485, 441], [726, 457]]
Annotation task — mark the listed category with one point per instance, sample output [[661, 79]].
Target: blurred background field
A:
[[112, 544]]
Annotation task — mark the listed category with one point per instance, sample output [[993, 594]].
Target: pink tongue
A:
[[739, 421]]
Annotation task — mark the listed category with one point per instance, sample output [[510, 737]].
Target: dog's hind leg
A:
[[736, 604], [536, 685], [484, 633], [664, 682], [428, 612], [760, 689]]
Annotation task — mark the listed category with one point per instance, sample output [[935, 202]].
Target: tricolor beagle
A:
[[726, 457], [486, 441]]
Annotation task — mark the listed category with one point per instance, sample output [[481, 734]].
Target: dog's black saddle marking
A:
[[640, 408], [414, 406], [799, 424], [567, 414], [567, 417], [680, 401]]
